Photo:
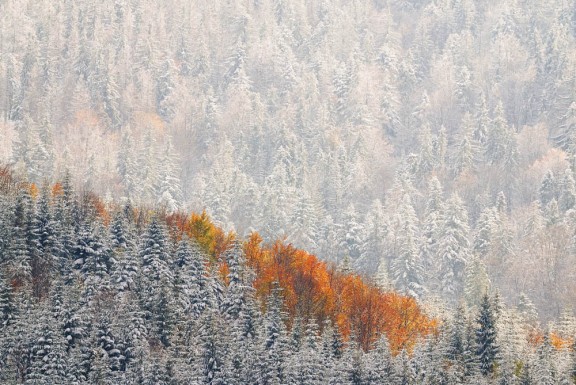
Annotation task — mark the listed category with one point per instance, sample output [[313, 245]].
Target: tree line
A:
[[104, 294]]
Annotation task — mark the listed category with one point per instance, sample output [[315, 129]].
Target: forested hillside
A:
[[95, 293], [431, 141]]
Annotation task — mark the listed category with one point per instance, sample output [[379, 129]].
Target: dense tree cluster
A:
[[432, 141], [90, 294], [254, 132]]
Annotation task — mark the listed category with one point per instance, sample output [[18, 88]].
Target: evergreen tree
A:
[[92, 258], [106, 340], [476, 281], [127, 165], [548, 188], [168, 190], [487, 348], [379, 363], [213, 351], [405, 267], [192, 282], [463, 160], [274, 350], [453, 247], [545, 372], [568, 191], [7, 304], [156, 279], [239, 281]]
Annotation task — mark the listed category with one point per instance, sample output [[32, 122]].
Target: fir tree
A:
[[405, 267], [453, 247], [7, 304], [487, 349], [275, 341]]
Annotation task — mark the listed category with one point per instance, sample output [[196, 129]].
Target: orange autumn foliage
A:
[[57, 190], [312, 289], [536, 338], [33, 190], [558, 342], [210, 238], [92, 200]]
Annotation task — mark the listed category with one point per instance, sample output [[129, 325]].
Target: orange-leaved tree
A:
[[312, 289]]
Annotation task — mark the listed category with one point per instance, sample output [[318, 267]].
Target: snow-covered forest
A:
[[122, 295], [429, 145]]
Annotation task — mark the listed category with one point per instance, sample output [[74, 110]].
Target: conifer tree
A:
[[239, 281], [379, 363], [191, 278], [476, 281], [169, 190], [406, 269], [548, 188], [214, 351], [486, 340], [275, 341], [545, 372], [7, 304], [453, 246], [568, 191]]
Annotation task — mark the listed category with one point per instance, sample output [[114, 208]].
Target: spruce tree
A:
[[7, 304], [487, 349], [275, 341], [239, 281], [453, 247], [406, 268]]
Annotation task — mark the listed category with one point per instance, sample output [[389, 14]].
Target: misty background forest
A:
[[430, 145]]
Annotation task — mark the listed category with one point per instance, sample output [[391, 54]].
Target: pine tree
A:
[[23, 247], [48, 245], [168, 190], [192, 282], [476, 281], [432, 227], [126, 165], [275, 341], [353, 235], [7, 304], [487, 348], [453, 247], [305, 364], [351, 368], [404, 371], [483, 122], [567, 197], [165, 90], [464, 158], [548, 188], [461, 344], [239, 281], [379, 363], [213, 350], [106, 340], [156, 279], [545, 372], [499, 141], [485, 226], [121, 236], [93, 258], [47, 353], [405, 267]]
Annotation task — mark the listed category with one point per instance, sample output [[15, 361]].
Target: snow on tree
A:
[[487, 348], [406, 268], [453, 246]]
